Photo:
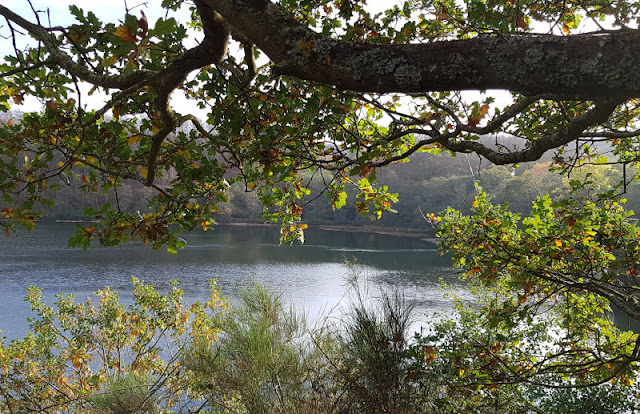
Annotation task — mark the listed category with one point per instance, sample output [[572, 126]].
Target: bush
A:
[[125, 394], [159, 355], [105, 356], [260, 359]]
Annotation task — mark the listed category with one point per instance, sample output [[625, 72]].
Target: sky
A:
[[107, 11]]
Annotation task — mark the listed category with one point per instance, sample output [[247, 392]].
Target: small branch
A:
[[570, 132]]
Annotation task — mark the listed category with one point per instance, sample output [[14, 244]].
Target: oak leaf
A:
[[124, 33]]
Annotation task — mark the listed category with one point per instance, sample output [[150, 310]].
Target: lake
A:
[[312, 276]]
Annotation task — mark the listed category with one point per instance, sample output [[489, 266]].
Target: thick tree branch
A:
[[212, 49], [580, 66]]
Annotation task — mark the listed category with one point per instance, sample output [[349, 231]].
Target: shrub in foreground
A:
[[260, 356]]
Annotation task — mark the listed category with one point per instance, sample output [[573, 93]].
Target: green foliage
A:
[[461, 360], [125, 394], [105, 355], [373, 347], [552, 277], [261, 357], [278, 136], [565, 266], [263, 361]]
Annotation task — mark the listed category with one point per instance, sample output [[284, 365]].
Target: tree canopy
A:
[[324, 87], [304, 98]]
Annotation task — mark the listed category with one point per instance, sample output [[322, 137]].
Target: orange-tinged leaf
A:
[[85, 178], [89, 230], [7, 212], [522, 23], [429, 116], [6, 232], [52, 105], [124, 33], [430, 353], [296, 210], [482, 112], [365, 171], [134, 139]]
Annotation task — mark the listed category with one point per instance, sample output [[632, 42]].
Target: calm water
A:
[[311, 276]]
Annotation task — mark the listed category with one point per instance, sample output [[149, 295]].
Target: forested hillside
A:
[[428, 184]]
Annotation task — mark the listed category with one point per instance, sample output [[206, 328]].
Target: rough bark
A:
[[581, 66]]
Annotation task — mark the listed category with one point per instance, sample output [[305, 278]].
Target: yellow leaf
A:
[[7, 212], [558, 243], [134, 139], [429, 116], [124, 33], [483, 111]]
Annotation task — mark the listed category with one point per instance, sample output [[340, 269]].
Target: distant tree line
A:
[[428, 184]]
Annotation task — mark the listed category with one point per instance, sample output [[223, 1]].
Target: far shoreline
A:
[[390, 231]]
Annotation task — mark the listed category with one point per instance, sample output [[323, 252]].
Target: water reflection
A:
[[310, 275]]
